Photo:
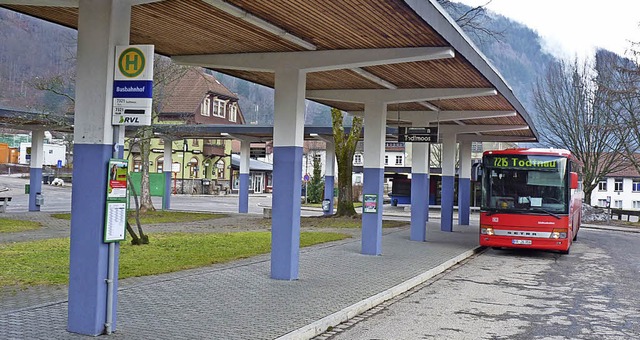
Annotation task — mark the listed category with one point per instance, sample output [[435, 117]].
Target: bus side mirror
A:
[[574, 180]]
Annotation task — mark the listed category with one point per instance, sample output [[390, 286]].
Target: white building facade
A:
[[621, 191]]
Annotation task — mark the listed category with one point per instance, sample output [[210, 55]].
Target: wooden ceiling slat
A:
[[232, 35], [180, 27]]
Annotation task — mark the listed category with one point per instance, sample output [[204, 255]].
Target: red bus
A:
[[531, 199]]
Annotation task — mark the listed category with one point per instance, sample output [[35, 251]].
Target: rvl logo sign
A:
[[129, 120]]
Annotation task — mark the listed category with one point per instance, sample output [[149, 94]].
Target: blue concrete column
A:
[[245, 171], [375, 123], [102, 24], [288, 133], [419, 191], [35, 172], [464, 183], [329, 172], [448, 179], [166, 169]]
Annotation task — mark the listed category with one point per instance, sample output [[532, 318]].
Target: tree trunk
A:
[[345, 192], [145, 192], [135, 240], [587, 194], [345, 149]]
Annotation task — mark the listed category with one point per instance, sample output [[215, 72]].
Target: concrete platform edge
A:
[[332, 320], [610, 228]]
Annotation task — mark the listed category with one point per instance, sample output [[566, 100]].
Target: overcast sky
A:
[[574, 27]]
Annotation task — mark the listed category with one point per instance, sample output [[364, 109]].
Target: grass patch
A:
[[46, 262], [159, 216], [339, 222], [8, 225]]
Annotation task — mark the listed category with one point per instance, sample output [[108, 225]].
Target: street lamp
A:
[[185, 148]]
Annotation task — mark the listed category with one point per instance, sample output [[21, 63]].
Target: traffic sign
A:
[[175, 167], [306, 177], [133, 85], [131, 62]]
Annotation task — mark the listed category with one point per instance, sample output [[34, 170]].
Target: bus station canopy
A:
[[251, 133], [30, 120], [189, 29]]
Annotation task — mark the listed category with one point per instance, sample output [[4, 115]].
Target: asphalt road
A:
[[591, 293], [59, 199]]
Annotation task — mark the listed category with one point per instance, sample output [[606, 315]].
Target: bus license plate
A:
[[521, 241]]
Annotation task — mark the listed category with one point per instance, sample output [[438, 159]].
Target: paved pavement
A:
[[238, 300]]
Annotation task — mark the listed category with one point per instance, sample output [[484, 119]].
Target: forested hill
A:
[[517, 54], [31, 48]]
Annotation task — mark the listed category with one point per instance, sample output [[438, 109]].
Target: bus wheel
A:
[[565, 252]]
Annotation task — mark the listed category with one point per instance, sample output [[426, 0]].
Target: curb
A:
[[611, 228], [318, 327]]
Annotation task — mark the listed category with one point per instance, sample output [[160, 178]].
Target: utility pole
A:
[[185, 148]]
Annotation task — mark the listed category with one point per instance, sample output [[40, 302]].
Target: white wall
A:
[[627, 196], [52, 153]]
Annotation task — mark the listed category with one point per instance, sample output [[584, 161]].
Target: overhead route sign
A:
[[133, 85], [418, 134]]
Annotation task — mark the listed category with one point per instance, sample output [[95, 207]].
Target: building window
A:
[[617, 204], [236, 180], [476, 147], [602, 185], [617, 186], [636, 185], [386, 160], [205, 109], [318, 158], [602, 203], [137, 164], [195, 142], [636, 204], [220, 169], [160, 164], [193, 167], [398, 160], [219, 108], [357, 179], [357, 159], [233, 112]]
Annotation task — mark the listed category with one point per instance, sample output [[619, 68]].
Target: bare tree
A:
[[345, 149], [619, 78], [165, 75], [575, 116], [473, 20], [435, 155]]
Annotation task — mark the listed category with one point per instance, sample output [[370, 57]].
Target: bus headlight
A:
[[486, 230], [559, 233]]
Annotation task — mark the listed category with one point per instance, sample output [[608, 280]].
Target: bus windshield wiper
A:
[[545, 211]]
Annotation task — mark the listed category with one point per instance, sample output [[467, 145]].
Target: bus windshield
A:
[[525, 183]]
